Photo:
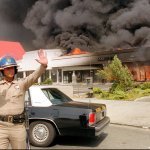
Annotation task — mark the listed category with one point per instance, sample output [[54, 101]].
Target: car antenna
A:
[[90, 85]]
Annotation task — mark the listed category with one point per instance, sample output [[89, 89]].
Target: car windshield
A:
[[56, 96]]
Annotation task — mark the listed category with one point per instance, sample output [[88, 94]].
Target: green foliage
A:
[[97, 90], [118, 95], [121, 95], [135, 91], [118, 74], [146, 92], [106, 74], [144, 86], [105, 94], [47, 81]]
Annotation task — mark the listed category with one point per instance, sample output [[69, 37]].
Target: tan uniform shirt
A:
[[12, 95]]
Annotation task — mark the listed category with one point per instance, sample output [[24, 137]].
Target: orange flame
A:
[[77, 51]]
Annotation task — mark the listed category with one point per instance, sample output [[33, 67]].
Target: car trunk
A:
[[97, 111]]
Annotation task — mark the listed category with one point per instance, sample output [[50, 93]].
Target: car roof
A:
[[44, 86]]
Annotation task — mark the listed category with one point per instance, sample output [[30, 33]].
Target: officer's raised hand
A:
[[42, 58]]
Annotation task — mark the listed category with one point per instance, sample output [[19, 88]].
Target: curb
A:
[[120, 124]]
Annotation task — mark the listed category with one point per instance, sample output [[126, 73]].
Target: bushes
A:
[[107, 95], [121, 95], [97, 90], [146, 92], [144, 86]]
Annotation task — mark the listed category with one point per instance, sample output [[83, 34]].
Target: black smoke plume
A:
[[91, 25]]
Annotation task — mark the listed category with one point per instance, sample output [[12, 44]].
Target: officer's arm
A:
[[32, 78]]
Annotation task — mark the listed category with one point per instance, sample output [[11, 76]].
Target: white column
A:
[[50, 76], [62, 76], [74, 77], [57, 76], [24, 74], [39, 80]]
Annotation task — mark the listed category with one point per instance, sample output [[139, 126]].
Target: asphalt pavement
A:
[[131, 113]]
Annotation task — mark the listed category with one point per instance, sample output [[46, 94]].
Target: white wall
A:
[[72, 60], [55, 59], [29, 63]]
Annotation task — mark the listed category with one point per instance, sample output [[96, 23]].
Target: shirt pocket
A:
[[17, 94], [2, 99], [1, 95], [3, 92], [16, 97]]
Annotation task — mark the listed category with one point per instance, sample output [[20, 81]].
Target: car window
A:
[[48, 94], [56, 96]]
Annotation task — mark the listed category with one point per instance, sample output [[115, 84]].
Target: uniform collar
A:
[[4, 81]]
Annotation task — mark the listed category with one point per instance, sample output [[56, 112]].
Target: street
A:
[[114, 137]]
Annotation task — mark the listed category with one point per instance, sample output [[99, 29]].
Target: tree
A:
[[118, 74]]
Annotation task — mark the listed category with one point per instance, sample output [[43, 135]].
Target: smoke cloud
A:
[[91, 25]]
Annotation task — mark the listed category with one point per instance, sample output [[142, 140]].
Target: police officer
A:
[[12, 93]]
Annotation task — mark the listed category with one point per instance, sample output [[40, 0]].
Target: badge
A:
[[17, 87]]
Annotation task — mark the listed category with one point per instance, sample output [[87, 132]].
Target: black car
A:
[[52, 113]]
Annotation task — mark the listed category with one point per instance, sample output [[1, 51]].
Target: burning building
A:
[[91, 25], [138, 62], [79, 66], [136, 59]]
